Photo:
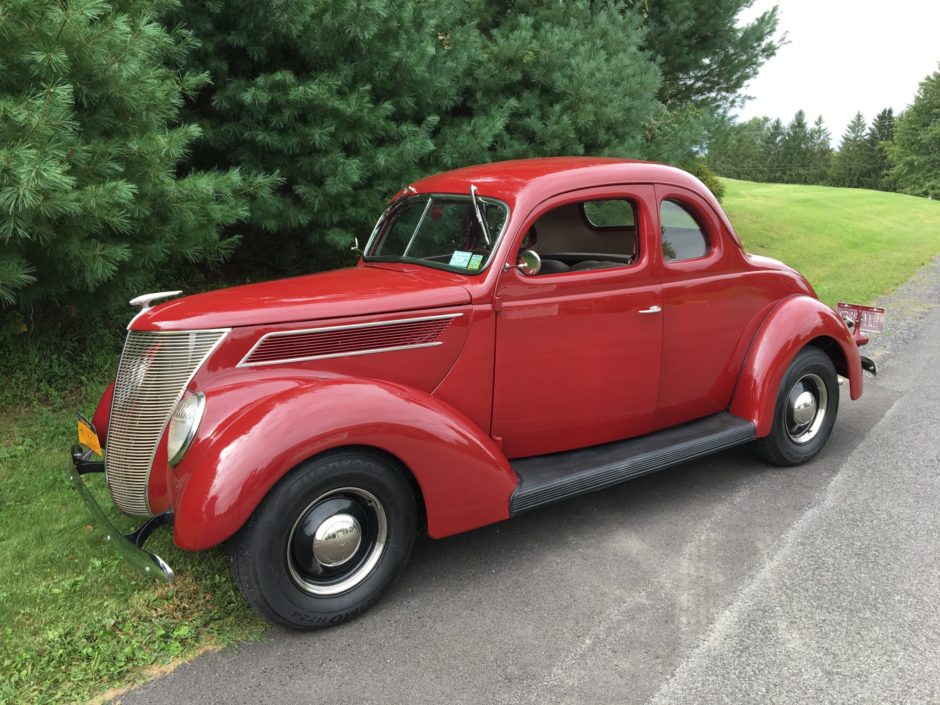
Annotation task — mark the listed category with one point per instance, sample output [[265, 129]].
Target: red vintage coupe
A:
[[514, 334]]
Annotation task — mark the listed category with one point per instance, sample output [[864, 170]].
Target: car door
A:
[[578, 351], [709, 309]]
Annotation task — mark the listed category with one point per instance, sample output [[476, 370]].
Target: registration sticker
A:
[[475, 262], [460, 258], [88, 436], [868, 319]]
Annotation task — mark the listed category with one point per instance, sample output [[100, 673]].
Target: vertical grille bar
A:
[[154, 370]]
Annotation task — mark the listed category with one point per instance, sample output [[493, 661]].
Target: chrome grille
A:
[[154, 370]]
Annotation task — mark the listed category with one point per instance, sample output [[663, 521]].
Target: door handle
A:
[[651, 309]]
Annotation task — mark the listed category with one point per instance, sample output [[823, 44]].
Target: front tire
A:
[[805, 412], [327, 541]]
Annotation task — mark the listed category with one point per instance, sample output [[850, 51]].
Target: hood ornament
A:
[[146, 300]]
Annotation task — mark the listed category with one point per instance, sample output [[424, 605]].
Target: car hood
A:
[[336, 294]]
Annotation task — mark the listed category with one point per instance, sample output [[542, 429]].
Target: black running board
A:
[[545, 479]]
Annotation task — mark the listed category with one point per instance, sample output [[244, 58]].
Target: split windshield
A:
[[440, 231]]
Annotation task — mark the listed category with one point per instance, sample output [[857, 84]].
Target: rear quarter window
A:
[[609, 213], [683, 237]]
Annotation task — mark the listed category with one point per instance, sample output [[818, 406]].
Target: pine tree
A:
[[771, 145], [766, 150], [705, 52], [880, 137], [570, 78], [94, 198], [735, 150], [820, 153], [850, 163], [350, 102], [916, 148], [796, 151]]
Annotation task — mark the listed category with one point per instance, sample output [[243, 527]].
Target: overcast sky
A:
[[844, 56]]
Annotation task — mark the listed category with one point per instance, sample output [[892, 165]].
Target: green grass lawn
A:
[[74, 621], [853, 245]]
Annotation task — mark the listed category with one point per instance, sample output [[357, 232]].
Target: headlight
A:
[[183, 424]]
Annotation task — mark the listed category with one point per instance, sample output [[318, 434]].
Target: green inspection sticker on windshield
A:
[[460, 258], [475, 262]]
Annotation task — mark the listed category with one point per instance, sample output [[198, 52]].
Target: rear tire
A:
[[327, 541], [805, 412]]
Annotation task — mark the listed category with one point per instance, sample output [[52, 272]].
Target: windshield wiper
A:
[[427, 207], [476, 209]]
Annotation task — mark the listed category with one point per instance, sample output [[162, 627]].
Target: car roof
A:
[[527, 182], [548, 176]]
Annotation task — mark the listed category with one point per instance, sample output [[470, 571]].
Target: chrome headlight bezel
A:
[[183, 425]]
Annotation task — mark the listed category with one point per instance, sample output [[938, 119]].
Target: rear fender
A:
[[795, 323], [465, 480]]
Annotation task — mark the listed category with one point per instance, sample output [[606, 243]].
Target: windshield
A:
[[440, 231]]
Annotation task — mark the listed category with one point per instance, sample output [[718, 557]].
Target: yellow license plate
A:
[[87, 436]]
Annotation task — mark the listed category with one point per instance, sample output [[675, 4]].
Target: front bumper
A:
[[128, 546]]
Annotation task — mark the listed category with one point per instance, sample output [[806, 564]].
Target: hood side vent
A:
[[348, 340]]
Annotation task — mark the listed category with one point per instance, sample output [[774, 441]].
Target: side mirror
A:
[[529, 263]]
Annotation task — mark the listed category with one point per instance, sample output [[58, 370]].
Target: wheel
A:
[[327, 541], [805, 411]]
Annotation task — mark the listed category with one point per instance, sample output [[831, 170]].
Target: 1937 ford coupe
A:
[[514, 334]]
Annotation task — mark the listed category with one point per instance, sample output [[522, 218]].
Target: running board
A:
[[545, 479]]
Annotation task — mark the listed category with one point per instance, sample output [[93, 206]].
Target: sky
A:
[[845, 56]]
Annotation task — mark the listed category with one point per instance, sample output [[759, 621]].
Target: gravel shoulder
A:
[[906, 308]]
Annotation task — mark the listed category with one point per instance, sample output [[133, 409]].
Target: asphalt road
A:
[[722, 581]]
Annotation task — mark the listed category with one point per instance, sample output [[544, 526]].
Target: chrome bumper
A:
[[128, 546]]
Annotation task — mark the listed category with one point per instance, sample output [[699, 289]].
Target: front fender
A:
[[465, 480], [792, 325], [102, 414]]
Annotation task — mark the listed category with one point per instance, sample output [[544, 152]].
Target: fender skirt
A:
[[465, 480], [795, 323]]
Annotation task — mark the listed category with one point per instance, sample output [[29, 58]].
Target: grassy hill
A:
[[852, 244]]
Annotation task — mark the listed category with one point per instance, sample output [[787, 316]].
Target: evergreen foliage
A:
[[851, 163], [820, 153], [302, 118], [766, 150], [735, 149], [795, 151], [350, 102], [916, 147], [880, 136], [705, 56], [94, 196], [570, 78]]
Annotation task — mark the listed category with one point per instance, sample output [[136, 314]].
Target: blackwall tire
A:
[[327, 541], [805, 410]]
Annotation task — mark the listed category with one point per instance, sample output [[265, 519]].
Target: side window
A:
[[596, 234], [682, 236]]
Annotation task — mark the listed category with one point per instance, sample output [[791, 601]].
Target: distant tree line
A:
[[147, 142], [893, 153]]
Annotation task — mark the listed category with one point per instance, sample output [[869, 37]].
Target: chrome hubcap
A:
[[337, 541], [807, 404], [804, 408]]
